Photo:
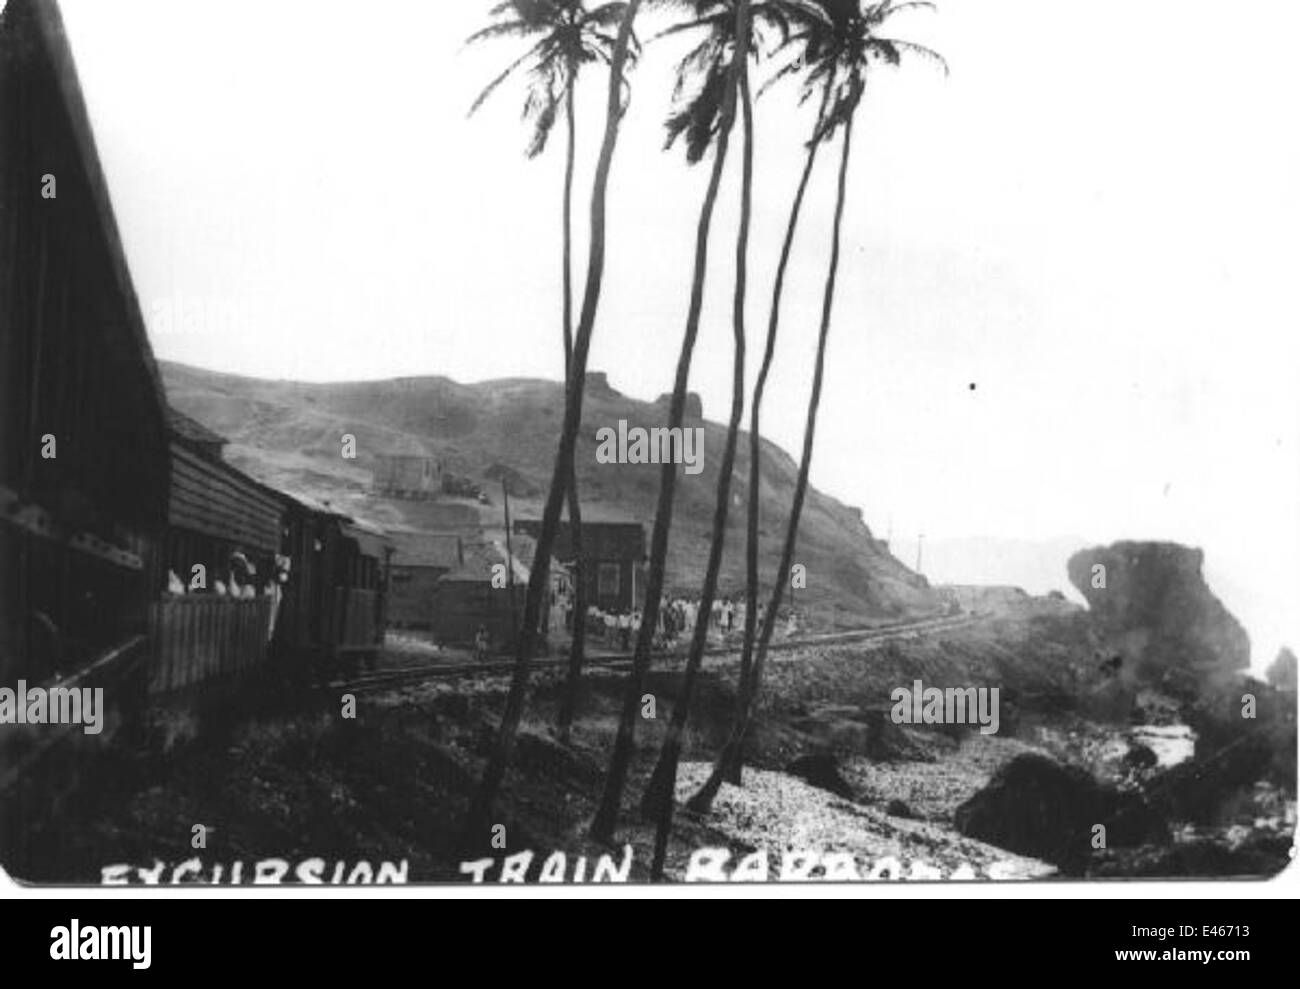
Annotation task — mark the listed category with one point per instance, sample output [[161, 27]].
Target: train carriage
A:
[[107, 498], [83, 444], [216, 603], [83, 447], [259, 578], [333, 613]]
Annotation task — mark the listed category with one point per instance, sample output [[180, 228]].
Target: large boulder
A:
[[819, 769], [1282, 671], [1036, 806], [1205, 788], [1151, 602]]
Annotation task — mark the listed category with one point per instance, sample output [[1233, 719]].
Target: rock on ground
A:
[[1037, 806]]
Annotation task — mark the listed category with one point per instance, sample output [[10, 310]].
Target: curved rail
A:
[[449, 671]]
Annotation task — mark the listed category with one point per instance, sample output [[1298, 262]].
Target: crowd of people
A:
[[237, 578], [678, 617]]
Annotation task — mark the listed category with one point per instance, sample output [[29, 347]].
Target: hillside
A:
[[289, 435]]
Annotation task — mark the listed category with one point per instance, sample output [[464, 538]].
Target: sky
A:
[[1066, 303]]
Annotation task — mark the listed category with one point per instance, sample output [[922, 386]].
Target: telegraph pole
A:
[[510, 563], [920, 541]]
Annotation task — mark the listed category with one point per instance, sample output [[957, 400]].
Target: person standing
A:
[[624, 631]]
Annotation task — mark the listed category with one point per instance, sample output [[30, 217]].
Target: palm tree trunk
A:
[[733, 751], [755, 433], [578, 634], [478, 817], [602, 826], [658, 802], [568, 228]]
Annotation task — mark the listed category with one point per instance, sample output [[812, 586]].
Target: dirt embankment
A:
[[838, 787], [391, 783]]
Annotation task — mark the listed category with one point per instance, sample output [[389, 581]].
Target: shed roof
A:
[[600, 540], [184, 428], [42, 19], [479, 560], [427, 549]]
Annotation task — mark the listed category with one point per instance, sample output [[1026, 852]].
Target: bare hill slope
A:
[[289, 434]]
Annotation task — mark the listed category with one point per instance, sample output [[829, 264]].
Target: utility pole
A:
[[920, 541], [510, 564]]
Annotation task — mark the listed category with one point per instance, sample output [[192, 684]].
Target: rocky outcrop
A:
[[1039, 807], [597, 383], [694, 408], [1152, 605], [1282, 671]]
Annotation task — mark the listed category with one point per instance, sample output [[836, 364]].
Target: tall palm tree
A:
[[706, 117], [809, 43], [657, 803], [840, 62], [570, 37], [478, 817]]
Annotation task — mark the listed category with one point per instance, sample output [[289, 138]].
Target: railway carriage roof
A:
[[41, 20]]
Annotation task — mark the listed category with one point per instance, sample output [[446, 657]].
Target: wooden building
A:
[[613, 559], [419, 560], [468, 597], [83, 439], [403, 476]]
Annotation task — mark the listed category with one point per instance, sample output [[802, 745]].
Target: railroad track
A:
[[504, 667]]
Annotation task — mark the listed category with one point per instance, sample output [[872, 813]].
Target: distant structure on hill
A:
[[406, 476]]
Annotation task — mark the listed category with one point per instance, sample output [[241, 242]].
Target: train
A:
[[130, 551]]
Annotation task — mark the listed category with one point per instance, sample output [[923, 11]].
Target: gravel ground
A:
[[931, 790], [777, 814]]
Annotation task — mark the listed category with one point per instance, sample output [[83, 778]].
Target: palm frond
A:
[[928, 54], [506, 30], [491, 87], [569, 36], [698, 119]]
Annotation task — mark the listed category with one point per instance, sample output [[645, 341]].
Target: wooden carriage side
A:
[[215, 610], [83, 448], [334, 606], [83, 444], [106, 502]]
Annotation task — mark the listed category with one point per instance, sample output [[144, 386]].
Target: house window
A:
[[607, 581]]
